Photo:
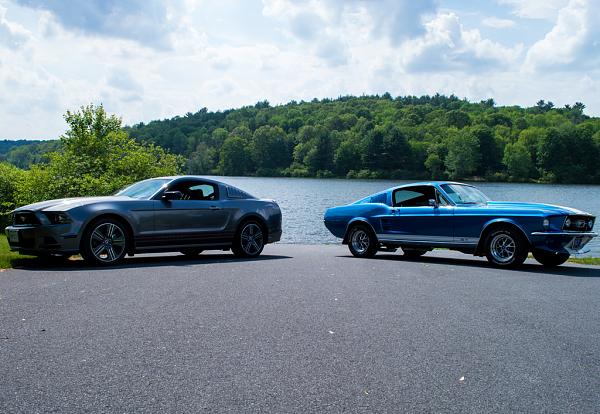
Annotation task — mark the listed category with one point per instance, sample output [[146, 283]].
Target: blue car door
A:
[[413, 219]]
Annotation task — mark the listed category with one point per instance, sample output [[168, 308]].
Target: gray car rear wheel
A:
[[249, 239], [104, 242]]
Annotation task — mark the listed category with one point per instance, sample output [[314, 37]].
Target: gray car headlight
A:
[[57, 218]]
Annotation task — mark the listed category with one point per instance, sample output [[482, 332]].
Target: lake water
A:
[[303, 200]]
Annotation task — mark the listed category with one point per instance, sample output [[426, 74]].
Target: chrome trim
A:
[[409, 238], [415, 237], [563, 233]]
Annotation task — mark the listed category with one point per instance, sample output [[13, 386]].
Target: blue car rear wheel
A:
[[362, 242]]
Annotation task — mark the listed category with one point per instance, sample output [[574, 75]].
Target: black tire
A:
[[191, 252], [249, 240], [413, 253], [105, 242], [362, 242], [506, 247], [549, 259]]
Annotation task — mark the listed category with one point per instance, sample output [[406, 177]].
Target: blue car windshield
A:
[[464, 194], [144, 189]]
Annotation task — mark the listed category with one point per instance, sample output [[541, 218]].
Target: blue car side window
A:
[[414, 196]]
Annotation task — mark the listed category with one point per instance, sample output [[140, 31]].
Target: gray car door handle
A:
[[215, 208]]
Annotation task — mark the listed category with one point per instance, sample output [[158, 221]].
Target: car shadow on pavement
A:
[[138, 261], [567, 269]]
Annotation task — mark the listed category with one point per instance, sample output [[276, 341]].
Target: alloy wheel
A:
[[360, 241], [252, 239], [107, 242], [503, 248]]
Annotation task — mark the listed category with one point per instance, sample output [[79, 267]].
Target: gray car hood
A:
[[65, 204]]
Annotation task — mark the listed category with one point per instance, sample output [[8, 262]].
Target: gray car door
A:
[[199, 217]]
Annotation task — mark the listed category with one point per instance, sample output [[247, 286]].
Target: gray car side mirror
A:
[[172, 195], [433, 203]]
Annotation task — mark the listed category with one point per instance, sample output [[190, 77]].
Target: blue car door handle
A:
[[215, 208]]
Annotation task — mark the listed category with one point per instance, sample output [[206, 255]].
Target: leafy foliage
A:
[[94, 157], [438, 137], [409, 137]]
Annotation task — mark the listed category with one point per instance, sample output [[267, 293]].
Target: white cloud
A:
[[144, 21], [535, 9], [447, 45], [12, 35], [497, 23], [286, 50], [573, 41]]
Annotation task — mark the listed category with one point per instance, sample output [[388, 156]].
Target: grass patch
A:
[[586, 260], [8, 258]]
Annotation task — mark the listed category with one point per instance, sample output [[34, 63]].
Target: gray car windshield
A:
[[144, 189], [464, 194]]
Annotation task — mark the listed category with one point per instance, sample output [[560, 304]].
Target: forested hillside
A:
[[380, 136], [376, 137]]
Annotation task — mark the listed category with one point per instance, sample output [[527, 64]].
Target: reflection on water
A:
[[303, 200]]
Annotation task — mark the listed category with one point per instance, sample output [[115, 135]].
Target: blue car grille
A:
[[578, 223]]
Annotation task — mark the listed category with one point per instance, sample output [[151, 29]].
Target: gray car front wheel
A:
[[104, 243]]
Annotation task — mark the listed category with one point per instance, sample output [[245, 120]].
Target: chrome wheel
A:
[[107, 242], [360, 241], [252, 239], [503, 248]]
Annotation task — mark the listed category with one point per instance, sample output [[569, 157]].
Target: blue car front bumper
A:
[[562, 242]]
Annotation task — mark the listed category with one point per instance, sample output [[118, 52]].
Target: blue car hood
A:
[[546, 209]]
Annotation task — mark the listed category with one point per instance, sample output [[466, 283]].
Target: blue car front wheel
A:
[[506, 247]]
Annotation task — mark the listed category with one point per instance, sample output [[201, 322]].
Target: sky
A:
[[150, 59]]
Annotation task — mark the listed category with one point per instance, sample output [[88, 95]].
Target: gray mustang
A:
[[187, 214]]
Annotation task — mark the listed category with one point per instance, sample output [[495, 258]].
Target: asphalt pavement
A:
[[300, 329]]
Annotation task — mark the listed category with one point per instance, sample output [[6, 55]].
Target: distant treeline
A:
[[386, 137]]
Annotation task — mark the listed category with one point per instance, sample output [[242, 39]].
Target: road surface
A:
[[301, 329]]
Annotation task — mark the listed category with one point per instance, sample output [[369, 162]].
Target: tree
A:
[[234, 157], [463, 154], [11, 178], [269, 149], [518, 161], [435, 165], [347, 157], [489, 147], [396, 151], [96, 157], [458, 118]]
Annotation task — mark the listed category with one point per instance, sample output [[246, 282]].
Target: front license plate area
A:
[[577, 244], [13, 236]]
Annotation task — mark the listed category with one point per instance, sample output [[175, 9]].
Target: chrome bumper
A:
[[571, 242]]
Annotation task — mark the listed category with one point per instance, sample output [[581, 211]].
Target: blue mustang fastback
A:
[[420, 217]]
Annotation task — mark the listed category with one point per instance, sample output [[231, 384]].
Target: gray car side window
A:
[[196, 190]]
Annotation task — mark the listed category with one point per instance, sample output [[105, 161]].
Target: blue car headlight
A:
[[546, 223], [57, 217]]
